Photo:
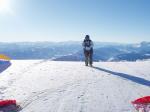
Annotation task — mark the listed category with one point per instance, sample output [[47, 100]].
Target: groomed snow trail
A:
[[48, 86]]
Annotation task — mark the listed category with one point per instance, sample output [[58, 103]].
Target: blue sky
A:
[[125, 21]]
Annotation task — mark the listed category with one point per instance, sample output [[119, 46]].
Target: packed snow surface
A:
[[49, 86]]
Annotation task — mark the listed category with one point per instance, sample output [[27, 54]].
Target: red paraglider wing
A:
[[7, 102], [143, 100]]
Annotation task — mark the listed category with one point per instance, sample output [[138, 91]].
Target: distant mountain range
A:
[[114, 52], [72, 51]]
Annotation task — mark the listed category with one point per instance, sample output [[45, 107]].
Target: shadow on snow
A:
[[135, 79]]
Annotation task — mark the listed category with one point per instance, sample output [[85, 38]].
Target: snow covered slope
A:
[[48, 86]]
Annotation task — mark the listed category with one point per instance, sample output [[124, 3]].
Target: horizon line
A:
[[72, 41]]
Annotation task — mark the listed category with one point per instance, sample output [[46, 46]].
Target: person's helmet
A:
[[87, 37]]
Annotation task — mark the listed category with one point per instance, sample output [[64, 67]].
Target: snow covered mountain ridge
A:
[[53, 86], [73, 51]]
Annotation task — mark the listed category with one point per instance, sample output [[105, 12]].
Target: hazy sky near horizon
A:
[[64, 20]]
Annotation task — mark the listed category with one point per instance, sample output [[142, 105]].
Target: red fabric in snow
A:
[[7, 102], [143, 100]]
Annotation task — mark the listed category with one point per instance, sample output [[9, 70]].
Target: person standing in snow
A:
[[88, 50]]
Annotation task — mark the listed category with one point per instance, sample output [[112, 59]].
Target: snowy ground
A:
[[48, 86]]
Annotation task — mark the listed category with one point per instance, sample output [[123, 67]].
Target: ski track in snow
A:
[[47, 86]]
